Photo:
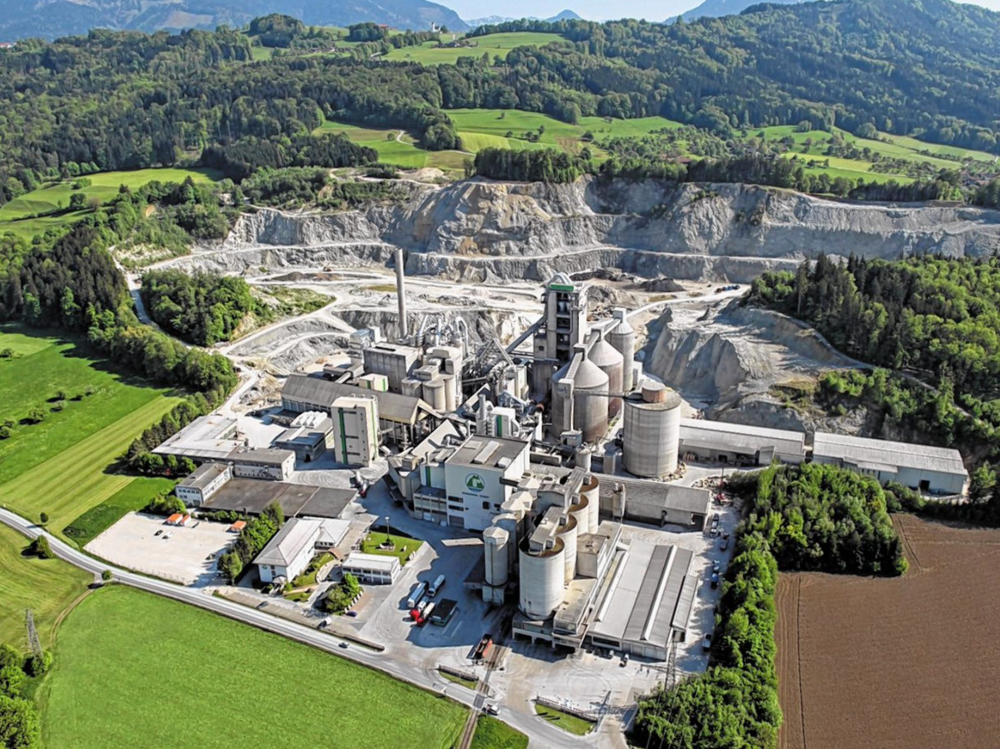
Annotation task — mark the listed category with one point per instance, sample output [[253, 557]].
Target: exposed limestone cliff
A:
[[480, 230]]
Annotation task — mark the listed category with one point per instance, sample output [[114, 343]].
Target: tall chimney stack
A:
[[404, 330]]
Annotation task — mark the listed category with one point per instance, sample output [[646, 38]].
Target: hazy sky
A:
[[597, 10]]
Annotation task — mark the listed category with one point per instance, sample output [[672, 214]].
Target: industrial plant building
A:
[[937, 470], [309, 436], [739, 444], [262, 463], [372, 569], [202, 485], [355, 429], [208, 438]]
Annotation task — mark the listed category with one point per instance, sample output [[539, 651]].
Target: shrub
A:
[[36, 665], [12, 680], [35, 416], [43, 517], [340, 596], [106, 576], [40, 548], [165, 505]]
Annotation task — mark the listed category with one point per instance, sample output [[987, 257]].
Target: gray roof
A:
[[740, 437], [205, 475], [322, 393], [289, 542], [658, 494], [210, 437], [640, 607], [887, 456], [488, 452], [253, 495], [261, 455]]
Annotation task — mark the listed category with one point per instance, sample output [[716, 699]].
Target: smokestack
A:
[[404, 330]]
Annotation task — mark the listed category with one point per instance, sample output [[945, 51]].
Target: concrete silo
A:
[[652, 431], [496, 543], [610, 361], [576, 390], [591, 491], [580, 511], [542, 576], [622, 337], [567, 534]]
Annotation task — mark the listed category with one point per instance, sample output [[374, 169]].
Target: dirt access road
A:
[[905, 663]]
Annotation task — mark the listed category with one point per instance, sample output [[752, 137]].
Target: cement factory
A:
[[546, 447]]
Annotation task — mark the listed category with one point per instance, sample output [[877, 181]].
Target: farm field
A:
[[101, 688], [46, 586], [395, 148], [494, 734], [14, 216], [904, 662], [495, 45], [58, 466]]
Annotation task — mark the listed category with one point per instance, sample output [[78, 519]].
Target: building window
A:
[[486, 505]]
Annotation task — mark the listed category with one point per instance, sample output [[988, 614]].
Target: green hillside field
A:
[[494, 45]]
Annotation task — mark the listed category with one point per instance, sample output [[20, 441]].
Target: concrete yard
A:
[[186, 555]]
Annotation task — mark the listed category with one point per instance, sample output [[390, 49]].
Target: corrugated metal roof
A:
[[861, 450], [322, 393], [658, 494], [721, 435]]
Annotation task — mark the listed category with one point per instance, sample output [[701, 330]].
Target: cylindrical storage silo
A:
[[434, 394], [609, 360], [652, 431], [590, 408], [622, 337], [496, 543], [542, 578], [580, 512], [450, 393], [567, 534], [591, 491]]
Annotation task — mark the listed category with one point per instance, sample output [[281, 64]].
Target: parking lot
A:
[[187, 555]]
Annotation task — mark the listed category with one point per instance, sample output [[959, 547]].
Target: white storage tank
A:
[[590, 411], [622, 337], [567, 534], [609, 360], [496, 543], [542, 580], [652, 431], [580, 512], [434, 394]]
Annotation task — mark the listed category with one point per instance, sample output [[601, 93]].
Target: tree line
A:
[[203, 308]]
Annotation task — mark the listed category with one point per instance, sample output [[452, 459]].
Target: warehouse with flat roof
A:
[[646, 602], [719, 441], [936, 470]]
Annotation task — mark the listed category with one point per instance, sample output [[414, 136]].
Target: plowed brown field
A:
[[905, 663]]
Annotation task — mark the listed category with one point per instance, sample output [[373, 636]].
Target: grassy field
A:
[[16, 216], [493, 734], [495, 45], [132, 497], [373, 540], [403, 152], [59, 465], [137, 671], [565, 721], [455, 679], [46, 586]]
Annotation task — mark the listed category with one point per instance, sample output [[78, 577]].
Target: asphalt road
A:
[[541, 734]]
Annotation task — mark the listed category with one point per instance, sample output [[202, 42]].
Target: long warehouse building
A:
[[938, 470], [740, 444]]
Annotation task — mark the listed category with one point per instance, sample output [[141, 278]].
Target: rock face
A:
[[739, 363], [478, 230]]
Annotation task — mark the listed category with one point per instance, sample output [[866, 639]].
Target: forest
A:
[[202, 308]]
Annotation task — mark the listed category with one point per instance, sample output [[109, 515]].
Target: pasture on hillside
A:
[[494, 45], [396, 147], [90, 414], [46, 207], [122, 654], [46, 586]]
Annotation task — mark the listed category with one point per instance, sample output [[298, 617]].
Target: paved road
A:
[[540, 733]]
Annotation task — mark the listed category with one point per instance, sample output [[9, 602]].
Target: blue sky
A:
[[598, 10]]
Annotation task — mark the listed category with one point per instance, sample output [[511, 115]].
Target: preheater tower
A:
[[652, 431]]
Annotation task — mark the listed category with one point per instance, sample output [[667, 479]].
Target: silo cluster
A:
[[587, 382], [610, 361]]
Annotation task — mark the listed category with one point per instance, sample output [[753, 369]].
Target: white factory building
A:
[[290, 550], [201, 485], [372, 569], [262, 463], [355, 429], [937, 470], [739, 444]]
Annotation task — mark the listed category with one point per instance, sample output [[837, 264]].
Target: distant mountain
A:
[[717, 8], [566, 15], [54, 18]]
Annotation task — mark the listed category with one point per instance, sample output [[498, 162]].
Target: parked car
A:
[[715, 579], [725, 535], [716, 566], [490, 708], [706, 644], [343, 645], [725, 544], [352, 613], [624, 660]]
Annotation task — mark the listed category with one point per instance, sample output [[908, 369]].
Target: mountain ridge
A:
[[719, 8], [50, 19]]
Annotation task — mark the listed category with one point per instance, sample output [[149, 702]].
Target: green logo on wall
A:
[[475, 482]]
